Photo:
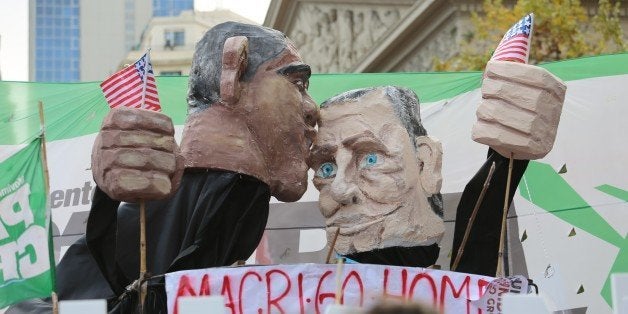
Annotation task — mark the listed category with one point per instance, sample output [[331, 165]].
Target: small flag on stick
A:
[[515, 45], [133, 86]]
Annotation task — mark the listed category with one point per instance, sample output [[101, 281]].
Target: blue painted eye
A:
[[369, 160], [327, 170]]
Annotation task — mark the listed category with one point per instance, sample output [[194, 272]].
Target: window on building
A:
[[171, 7], [174, 38]]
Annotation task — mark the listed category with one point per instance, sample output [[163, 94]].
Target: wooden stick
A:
[[331, 247], [339, 267], [141, 285], [44, 160], [467, 231], [44, 155], [55, 303], [502, 236]]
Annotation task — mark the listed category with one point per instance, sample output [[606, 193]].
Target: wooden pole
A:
[[55, 303], [44, 159], [142, 286], [502, 236], [44, 154], [467, 231], [339, 268], [332, 245]]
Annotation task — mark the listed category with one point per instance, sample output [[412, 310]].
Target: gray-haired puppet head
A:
[[405, 104], [204, 81]]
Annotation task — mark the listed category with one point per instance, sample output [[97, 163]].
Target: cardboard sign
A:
[[310, 288]]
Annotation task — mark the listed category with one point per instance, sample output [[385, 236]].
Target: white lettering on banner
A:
[[8, 262], [27, 256], [33, 250], [310, 288], [15, 209], [11, 187], [3, 231]]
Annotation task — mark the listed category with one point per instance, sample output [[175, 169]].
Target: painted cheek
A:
[[383, 188], [327, 204], [284, 117]]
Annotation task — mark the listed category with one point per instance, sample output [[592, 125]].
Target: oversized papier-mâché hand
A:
[[520, 109], [135, 156]]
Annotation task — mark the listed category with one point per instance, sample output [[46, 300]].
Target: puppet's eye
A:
[[369, 160], [327, 170], [301, 84]]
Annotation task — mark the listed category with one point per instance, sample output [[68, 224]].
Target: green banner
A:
[[25, 257], [77, 109]]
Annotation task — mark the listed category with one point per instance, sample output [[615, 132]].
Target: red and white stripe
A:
[[516, 48], [125, 87]]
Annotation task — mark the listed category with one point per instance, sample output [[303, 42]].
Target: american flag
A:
[[515, 46], [133, 86]]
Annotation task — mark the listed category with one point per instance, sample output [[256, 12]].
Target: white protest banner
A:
[[310, 288]]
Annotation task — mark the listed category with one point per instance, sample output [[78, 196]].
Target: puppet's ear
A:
[[234, 61], [430, 157]]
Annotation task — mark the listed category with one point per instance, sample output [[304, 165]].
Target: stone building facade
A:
[[379, 36]]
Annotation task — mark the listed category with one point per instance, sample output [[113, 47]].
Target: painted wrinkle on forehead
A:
[[331, 115], [290, 55], [364, 141]]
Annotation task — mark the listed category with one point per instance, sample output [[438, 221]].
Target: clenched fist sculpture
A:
[[135, 155]]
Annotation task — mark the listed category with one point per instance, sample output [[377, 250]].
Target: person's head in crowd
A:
[[391, 306]]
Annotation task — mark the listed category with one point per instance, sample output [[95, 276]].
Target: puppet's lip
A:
[[347, 229]]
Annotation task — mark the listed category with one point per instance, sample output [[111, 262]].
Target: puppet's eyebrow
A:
[[296, 68], [320, 153], [364, 140]]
